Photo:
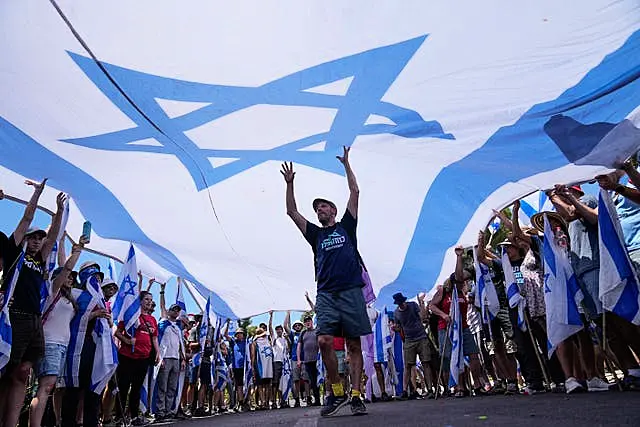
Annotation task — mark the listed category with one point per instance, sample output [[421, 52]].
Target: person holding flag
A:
[[340, 304], [60, 308], [86, 370], [27, 336], [170, 339], [134, 355]]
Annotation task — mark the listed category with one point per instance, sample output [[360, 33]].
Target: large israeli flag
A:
[[172, 139], [126, 307], [562, 295], [5, 321], [619, 285]]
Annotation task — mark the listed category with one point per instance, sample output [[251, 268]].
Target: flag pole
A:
[[535, 349], [441, 362]]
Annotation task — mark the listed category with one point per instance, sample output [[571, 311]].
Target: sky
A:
[[11, 212]]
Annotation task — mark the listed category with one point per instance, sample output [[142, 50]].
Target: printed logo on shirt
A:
[[33, 264], [335, 240]]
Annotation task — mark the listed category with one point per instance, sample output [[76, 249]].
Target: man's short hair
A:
[[279, 327], [144, 294]]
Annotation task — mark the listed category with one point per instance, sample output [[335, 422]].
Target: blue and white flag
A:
[[513, 289], [180, 300], [562, 295], [456, 365], [486, 297], [398, 362], [494, 225], [203, 331], [619, 285], [286, 378], [320, 369], [157, 117], [105, 360], [126, 307], [248, 368], [381, 337], [112, 270], [5, 321]]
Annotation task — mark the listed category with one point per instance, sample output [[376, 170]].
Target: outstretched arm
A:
[[52, 235], [68, 265], [354, 191], [30, 211], [292, 209]]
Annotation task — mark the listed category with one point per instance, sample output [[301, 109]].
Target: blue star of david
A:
[[547, 289], [267, 352], [131, 285], [372, 72]]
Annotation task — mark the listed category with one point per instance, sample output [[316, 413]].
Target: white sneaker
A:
[[597, 384], [572, 385]]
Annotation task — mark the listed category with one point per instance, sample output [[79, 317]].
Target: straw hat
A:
[[538, 220]]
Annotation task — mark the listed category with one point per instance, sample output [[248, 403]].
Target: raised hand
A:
[[1, 194], [607, 182], [459, 250], [287, 172], [38, 186], [516, 204], [345, 155], [60, 200]]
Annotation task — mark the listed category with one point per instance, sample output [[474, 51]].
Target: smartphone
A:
[[86, 230]]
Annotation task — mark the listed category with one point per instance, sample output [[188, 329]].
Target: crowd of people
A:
[[342, 352]]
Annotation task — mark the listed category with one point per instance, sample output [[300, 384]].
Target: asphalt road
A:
[[592, 409]]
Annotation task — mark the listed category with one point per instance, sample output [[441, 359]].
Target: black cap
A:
[[307, 318], [398, 298]]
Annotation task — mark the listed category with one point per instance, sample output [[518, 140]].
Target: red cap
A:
[[578, 189]]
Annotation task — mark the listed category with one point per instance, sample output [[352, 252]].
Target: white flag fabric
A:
[[619, 285], [172, 139], [562, 296]]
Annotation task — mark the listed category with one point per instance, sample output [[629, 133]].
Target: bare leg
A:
[[16, 393], [39, 402], [356, 362], [325, 342], [58, 395]]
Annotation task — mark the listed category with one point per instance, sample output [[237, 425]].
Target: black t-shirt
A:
[[497, 277], [26, 295], [337, 261]]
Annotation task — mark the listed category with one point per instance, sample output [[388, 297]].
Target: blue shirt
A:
[[337, 261], [238, 349], [629, 215], [294, 337]]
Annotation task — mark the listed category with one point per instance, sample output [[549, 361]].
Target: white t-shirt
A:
[[279, 349], [57, 329], [171, 341]]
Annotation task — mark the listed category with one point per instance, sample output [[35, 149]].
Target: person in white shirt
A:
[[60, 308], [170, 340], [280, 351]]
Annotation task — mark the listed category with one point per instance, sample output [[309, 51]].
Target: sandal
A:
[[459, 393]]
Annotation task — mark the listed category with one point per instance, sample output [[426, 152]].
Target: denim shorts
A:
[[53, 360]]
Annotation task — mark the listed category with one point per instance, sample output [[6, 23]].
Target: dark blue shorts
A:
[[342, 313]]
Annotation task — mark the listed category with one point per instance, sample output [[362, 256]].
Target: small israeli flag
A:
[[513, 289], [455, 336], [5, 321], [486, 297], [562, 295], [619, 289], [126, 307]]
